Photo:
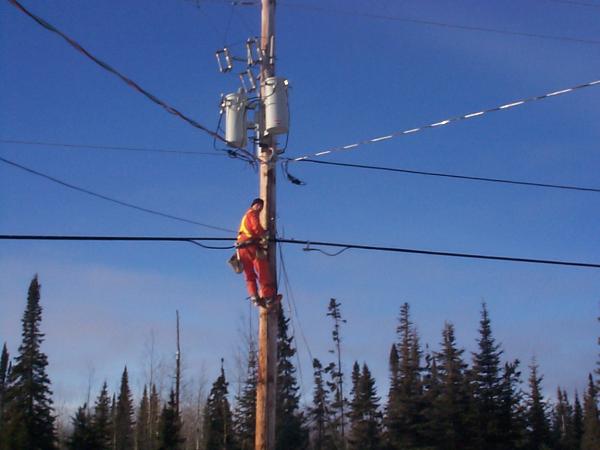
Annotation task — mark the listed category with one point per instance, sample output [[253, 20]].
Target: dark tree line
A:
[[440, 399]]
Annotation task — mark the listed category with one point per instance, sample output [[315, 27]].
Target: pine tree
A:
[[365, 417], [142, 432], [123, 425], [486, 389], [29, 420], [101, 421], [83, 437], [170, 426], [591, 425], [405, 411], [218, 433], [537, 420], [319, 412], [244, 421], [290, 431], [452, 403]]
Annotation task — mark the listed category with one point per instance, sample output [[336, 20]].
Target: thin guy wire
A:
[[299, 242], [110, 199], [110, 147], [292, 299], [446, 121], [454, 176], [110, 69], [571, 2], [440, 24]]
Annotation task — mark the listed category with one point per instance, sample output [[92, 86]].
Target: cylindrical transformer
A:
[[234, 105], [276, 106]]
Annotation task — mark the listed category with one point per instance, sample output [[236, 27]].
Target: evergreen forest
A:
[[442, 399]]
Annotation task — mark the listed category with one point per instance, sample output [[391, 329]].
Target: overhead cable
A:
[[453, 176], [110, 69], [439, 24], [440, 123], [110, 199], [110, 147], [554, 262]]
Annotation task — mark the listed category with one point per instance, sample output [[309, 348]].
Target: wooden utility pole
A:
[[266, 388]]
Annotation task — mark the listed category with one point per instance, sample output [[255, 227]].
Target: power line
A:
[[307, 247], [571, 2], [439, 24], [110, 199], [446, 121], [110, 69], [110, 147], [454, 176]]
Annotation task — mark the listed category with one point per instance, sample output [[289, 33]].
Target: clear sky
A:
[[355, 73]]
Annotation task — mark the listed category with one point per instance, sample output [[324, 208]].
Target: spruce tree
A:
[[336, 383], [82, 437], [405, 411], [562, 422], [123, 425], [451, 404], [142, 431], [577, 422], [244, 416], [170, 426], [591, 425], [290, 430], [154, 417], [537, 419], [365, 417], [29, 420], [4, 373], [511, 416], [486, 388], [319, 412], [431, 428], [101, 421], [218, 430]]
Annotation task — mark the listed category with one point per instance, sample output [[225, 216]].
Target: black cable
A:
[[438, 24], [110, 199], [449, 175], [109, 147], [110, 69], [571, 2], [305, 243], [438, 253]]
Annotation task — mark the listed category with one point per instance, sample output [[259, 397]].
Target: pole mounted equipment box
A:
[[235, 107], [276, 106]]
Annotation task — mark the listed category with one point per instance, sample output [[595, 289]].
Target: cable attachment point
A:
[[291, 178]]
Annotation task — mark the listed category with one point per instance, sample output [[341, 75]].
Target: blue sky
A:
[[352, 77]]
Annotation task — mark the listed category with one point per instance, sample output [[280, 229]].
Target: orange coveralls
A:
[[249, 235]]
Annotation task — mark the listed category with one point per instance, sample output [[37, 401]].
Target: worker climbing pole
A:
[[256, 249]]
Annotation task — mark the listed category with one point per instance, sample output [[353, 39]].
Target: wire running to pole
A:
[[110, 69], [299, 242], [110, 147], [454, 176], [433, 23], [111, 199], [440, 123]]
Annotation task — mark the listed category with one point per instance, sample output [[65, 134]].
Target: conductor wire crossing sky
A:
[[446, 121], [110, 69]]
